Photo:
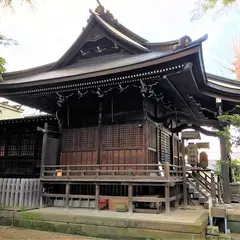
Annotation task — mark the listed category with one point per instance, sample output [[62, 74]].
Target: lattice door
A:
[[124, 136], [165, 147], [79, 139]]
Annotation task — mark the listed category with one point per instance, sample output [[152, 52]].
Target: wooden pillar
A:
[[41, 203], [97, 194], [225, 171], [99, 133], [213, 188], [7, 141], [172, 149], [44, 149], [67, 192], [177, 194], [130, 195], [185, 200], [167, 198], [166, 171], [145, 136]]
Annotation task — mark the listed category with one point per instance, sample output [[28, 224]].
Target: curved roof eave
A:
[[134, 62], [29, 71], [224, 88]]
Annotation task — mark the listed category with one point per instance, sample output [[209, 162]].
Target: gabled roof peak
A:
[[105, 14]]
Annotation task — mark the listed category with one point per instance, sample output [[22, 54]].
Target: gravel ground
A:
[[9, 233]]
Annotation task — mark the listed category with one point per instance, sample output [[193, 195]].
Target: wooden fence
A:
[[15, 192]]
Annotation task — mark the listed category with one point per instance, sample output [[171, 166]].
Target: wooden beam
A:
[[197, 128], [148, 199], [185, 116]]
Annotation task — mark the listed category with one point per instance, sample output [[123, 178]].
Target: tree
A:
[[235, 167], [235, 68], [4, 40], [203, 6]]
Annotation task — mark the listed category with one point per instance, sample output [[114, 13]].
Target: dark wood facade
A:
[[21, 147]]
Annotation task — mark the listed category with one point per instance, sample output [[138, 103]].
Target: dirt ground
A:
[[9, 233]]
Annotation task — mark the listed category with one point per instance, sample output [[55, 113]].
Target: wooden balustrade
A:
[[164, 171]]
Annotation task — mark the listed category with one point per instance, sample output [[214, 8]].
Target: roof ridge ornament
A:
[[183, 42], [100, 8], [105, 14]]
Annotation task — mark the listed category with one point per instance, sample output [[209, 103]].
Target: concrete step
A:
[[196, 195], [206, 205], [191, 190], [202, 200]]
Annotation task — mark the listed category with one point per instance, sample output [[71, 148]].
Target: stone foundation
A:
[[105, 227]]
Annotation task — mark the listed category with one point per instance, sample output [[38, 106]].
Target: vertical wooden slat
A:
[[26, 193], [4, 187], [116, 158], [121, 157], [1, 188], [39, 199], [17, 193], [30, 189], [127, 158], [110, 159], [13, 191], [21, 197], [34, 195], [7, 200]]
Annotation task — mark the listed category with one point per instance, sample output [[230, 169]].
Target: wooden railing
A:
[[208, 181], [164, 171]]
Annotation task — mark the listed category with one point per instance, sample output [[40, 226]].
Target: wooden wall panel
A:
[[78, 158], [122, 157], [121, 144]]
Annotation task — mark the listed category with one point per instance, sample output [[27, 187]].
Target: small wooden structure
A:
[[119, 103]]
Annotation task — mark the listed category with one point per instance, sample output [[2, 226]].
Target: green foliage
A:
[[2, 65], [234, 165], [8, 41], [203, 6], [9, 3], [234, 121]]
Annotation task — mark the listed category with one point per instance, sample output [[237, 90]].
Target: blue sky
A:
[[46, 32]]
